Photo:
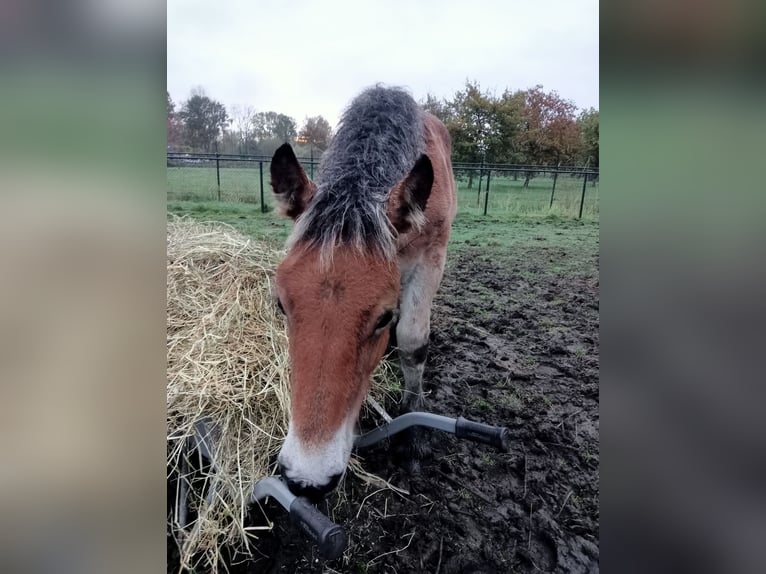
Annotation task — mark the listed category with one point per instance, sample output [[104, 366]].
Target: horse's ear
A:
[[408, 199], [293, 190]]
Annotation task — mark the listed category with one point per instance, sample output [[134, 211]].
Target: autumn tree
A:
[[204, 120], [317, 132], [549, 132], [532, 127]]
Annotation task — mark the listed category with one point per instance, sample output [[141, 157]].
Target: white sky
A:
[[305, 58]]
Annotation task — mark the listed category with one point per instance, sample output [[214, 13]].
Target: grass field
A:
[[516, 219], [500, 233], [506, 195]]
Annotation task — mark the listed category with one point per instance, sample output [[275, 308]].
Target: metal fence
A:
[[509, 187]]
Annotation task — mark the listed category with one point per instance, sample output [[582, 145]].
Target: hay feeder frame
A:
[[330, 538]]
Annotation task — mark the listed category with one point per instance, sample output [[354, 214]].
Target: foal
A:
[[368, 248]]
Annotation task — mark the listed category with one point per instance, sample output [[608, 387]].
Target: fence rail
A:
[[482, 172]]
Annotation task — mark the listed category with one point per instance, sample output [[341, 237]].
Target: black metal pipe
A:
[[582, 196], [218, 174], [263, 205], [486, 194]]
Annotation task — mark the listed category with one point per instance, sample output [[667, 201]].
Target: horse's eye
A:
[[384, 320], [281, 308]]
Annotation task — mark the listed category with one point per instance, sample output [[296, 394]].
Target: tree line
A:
[[203, 125], [529, 127]]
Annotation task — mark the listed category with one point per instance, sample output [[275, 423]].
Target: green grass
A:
[[244, 217], [560, 244], [241, 185], [506, 195], [507, 230], [468, 230], [518, 221]]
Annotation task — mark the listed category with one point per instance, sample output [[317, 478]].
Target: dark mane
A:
[[379, 138]]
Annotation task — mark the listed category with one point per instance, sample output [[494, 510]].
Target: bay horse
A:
[[367, 251]]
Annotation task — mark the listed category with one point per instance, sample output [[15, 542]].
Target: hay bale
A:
[[228, 366]]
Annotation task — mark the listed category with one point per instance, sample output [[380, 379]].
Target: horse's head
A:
[[338, 311]]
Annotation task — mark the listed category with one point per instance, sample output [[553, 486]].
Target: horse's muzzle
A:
[[314, 493]]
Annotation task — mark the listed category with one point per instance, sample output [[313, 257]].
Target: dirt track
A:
[[514, 343]]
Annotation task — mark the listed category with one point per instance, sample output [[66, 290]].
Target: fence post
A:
[[311, 165], [478, 193], [584, 183], [555, 177], [486, 200], [260, 168], [218, 173], [486, 193]]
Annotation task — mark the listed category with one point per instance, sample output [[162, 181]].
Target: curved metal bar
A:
[[403, 422], [274, 487]]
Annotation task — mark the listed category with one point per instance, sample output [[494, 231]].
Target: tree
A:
[[482, 125], [317, 132], [285, 128], [549, 132], [263, 125], [531, 126], [439, 108], [242, 122], [271, 125], [470, 123], [204, 120], [174, 127], [588, 123]]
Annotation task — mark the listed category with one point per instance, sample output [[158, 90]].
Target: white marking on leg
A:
[[419, 285]]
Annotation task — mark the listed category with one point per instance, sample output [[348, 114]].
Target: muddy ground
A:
[[514, 342]]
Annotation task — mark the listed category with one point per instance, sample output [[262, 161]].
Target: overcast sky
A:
[[305, 58]]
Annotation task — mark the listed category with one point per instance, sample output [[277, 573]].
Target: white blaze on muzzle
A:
[[316, 465]]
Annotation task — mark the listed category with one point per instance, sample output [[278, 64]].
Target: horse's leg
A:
[[420, 280], [419, 286]]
